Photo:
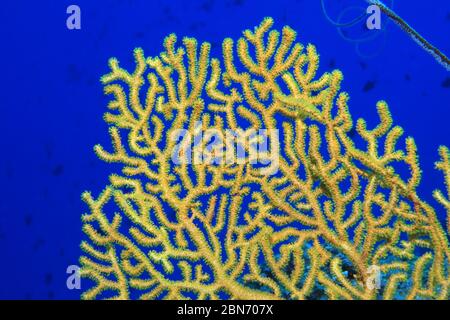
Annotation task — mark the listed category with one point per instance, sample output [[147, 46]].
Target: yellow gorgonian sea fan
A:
[[335, 220]]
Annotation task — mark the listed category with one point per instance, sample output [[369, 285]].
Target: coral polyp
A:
[[333, 212]]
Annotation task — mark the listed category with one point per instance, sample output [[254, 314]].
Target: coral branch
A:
[[330, 214]]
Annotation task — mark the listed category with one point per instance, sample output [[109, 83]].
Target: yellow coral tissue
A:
[[244, 176]]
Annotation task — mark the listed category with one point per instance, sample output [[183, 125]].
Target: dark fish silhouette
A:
[[58, 170], [369, 85]]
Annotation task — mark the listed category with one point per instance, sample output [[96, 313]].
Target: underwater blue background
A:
[[51, 103]]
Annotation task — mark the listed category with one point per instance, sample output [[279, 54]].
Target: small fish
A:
[[58, 170], [48, 278], [369, 85], [28, 220]]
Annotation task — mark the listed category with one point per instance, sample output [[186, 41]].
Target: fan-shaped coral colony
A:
[[336, 209]]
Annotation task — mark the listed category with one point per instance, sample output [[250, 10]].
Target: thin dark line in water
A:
[[420, 40]]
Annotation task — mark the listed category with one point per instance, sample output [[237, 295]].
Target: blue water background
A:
[[51, 104]]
